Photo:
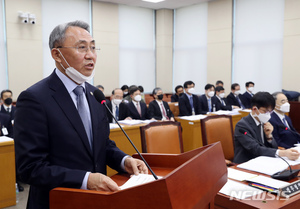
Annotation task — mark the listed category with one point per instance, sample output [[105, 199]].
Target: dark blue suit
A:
[[204, 104], [219, 105], [232, 100], [134, 113], [11, 113], [5, 122], [285, 137], [52, 148], [154, 110], [185, 108], [246, 99]]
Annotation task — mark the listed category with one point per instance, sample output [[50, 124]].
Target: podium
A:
[[190, 180]]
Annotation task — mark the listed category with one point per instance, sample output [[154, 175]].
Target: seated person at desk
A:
[[219, 83], [221, 103], [137, 109], [234, 98], [159, 109], [253, 133], [247, 96], [284, 132], [6, 128], [179, 93], [7, 107], [117, 107], [207, 102], [189, 102]]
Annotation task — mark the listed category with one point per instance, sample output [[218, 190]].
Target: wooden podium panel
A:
[[192, 134], [189, 182], [7, 174]]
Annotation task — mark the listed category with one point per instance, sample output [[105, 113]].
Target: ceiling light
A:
[[153, 1]]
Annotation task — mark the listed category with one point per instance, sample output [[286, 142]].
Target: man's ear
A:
[[56, 55]]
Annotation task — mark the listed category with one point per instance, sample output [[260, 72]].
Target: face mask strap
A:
[[64, 59]]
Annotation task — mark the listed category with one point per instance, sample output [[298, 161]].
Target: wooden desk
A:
[[262, 201], [7, 174], [191, 132], [122, 142]]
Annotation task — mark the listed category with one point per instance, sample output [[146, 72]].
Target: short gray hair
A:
[[154, 92], [57, 36], [275, 94]]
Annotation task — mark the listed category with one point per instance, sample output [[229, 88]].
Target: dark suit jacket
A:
[[185, 108], [11, 113], [220, 106], [246, 99], [285, 137], [154, 110], [52, 148], [174, 98], [204, 104], [123, 111], [134, 113], [5, 122], [249, 146], [232, 100]]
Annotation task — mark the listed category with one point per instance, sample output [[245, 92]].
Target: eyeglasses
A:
[[82, 49]]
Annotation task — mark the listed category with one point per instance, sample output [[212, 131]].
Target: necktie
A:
[[223, 102], [285, 123], [139, 109], [8, 110], [261, 132], [83, 113], [117, 112], [163, 111], [209, 105], [191, 102], [240, 102]]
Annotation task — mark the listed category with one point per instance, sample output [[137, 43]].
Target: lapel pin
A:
[[91, 93]]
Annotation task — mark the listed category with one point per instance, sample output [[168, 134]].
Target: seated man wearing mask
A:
[[159, 109], [138, 110], [234, 98], [221, 103], [253, 133], [189, 102], [207, 100], [178, 93], [117, 107], [7, 107], [284, 132]]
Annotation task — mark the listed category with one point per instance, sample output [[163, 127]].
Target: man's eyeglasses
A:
[[82, 49]]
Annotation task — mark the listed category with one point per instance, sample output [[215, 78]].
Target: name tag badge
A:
[[4, 131]]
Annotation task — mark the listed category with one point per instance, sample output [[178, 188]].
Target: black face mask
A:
[[160, 97], [181, 94], [8, 101]]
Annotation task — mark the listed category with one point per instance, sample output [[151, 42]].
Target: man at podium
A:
[[61, 131]]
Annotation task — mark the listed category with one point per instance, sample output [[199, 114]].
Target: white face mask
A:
[[191, 91], [117, 101], [263, 117], [251, 89], [138, 98], [284, 108], [237, 92], [222, 95], [211, 93], [74, 74]]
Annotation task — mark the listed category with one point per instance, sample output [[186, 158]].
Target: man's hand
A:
[[100, 182], [291, 154], [268, 129], [135, 166]]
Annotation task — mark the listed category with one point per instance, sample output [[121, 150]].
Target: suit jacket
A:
[[246, 99], [204, 104], [220, 106], [134, 113], [11, 113], [174, 98], [185, 108], [5, 122], [285, 137], [52, 148], [232, 100], [154, 110], [123, 111], [249, 146]]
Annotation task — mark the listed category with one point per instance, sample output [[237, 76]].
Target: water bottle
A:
[[17, 193], [214, 108]]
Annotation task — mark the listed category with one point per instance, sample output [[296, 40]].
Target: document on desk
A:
[[193, 117], [239, 175], [239, 190], [135, 122], [5, 139], [138, 180], [264, 180], [266, 165]]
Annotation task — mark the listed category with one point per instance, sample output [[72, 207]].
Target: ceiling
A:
[[167, 4]]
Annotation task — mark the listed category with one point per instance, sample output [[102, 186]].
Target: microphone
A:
[[285, 175], [99, 96]]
